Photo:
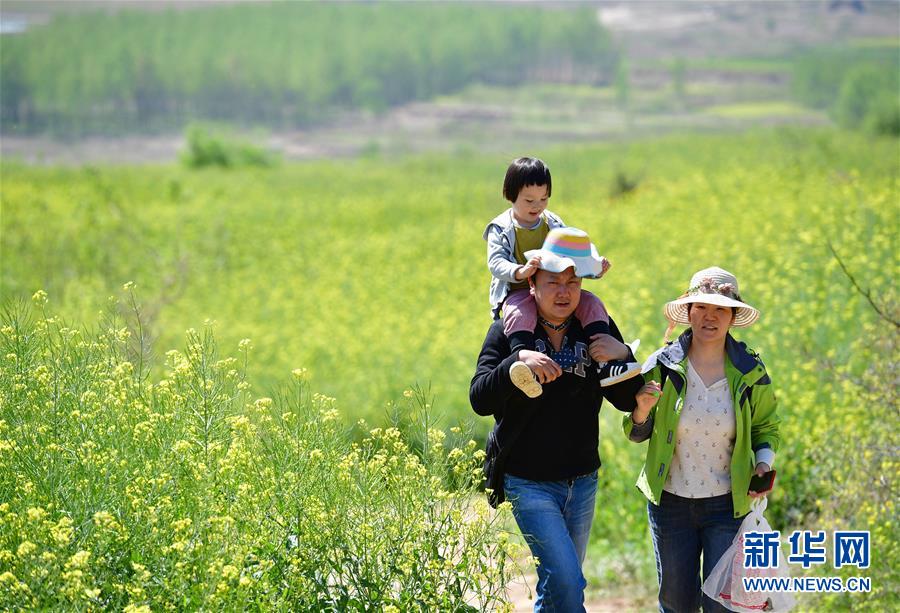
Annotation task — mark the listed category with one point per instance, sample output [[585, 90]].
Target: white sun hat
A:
[[569, 247], [712, 286]]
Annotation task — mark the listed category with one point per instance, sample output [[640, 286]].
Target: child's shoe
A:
[[522, 377], [633, 345], [618, 371]]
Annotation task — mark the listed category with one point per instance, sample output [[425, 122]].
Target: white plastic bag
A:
[[725, 584]]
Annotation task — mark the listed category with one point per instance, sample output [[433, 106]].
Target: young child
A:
[[521, 228]]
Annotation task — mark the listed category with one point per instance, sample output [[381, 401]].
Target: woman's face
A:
[[710, 322]]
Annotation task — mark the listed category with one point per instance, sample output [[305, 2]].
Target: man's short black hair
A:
[[523, 172]]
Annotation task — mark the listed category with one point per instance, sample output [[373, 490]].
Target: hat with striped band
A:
[[712, 286], [569, 247]]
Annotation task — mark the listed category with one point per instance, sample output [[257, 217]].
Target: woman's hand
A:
[[530, 267], [605, 348], [545, 369], [646, 398], [761, 469]]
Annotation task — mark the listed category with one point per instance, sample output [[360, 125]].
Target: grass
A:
[[875, 42], [758, 110]]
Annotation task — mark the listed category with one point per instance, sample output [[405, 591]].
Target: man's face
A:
[[556, 294]]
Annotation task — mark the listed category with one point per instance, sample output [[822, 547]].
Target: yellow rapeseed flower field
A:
[[133, 471]]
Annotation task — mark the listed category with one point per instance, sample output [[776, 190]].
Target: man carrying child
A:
[[551, 439], [522, 229]]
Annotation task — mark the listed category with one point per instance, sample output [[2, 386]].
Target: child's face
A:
[[529, 205]]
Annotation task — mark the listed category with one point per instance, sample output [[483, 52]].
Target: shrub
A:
[[186, 493], [216, 146], [623, 183], [860, 87], [862, 464], [883, 116]]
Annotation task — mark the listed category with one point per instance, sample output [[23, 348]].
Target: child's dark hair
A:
[[523, 172]]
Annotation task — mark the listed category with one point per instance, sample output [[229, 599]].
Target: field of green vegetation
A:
[[370, 275], [298, 63]]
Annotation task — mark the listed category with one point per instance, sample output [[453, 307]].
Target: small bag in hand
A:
[[493, 470], [725, 583]]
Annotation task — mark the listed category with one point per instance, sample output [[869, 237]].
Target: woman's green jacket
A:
[[755, 408]]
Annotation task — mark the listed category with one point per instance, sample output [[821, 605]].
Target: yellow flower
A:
[[140, 571], [436, 437], [230, 572], [36, 514], [79, 559], [25, 548], [240, 422], [128, 286], [182, 524]]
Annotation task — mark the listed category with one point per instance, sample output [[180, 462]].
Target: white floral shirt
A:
[[701, 465]]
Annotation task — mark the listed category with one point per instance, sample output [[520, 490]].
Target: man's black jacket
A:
[[562, 436]]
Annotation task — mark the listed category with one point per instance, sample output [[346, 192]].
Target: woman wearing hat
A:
[[709, 412]]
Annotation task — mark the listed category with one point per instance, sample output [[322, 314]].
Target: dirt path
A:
[[522, 598]]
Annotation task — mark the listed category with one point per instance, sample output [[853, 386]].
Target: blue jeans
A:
[[555, 518], [681, 529]]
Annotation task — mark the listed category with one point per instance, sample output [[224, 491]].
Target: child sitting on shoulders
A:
[[524, 227]]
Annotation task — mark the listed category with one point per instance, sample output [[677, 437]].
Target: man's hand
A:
[[530, 267], [761, 469], [605, 348], [545, 369]]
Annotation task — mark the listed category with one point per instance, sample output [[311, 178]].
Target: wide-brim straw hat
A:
[[712, 286], [568, 247]]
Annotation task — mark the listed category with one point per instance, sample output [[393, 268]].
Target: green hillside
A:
[[280, 64]]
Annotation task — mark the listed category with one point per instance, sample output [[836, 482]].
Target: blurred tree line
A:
[[281, 64], [859, 87]]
